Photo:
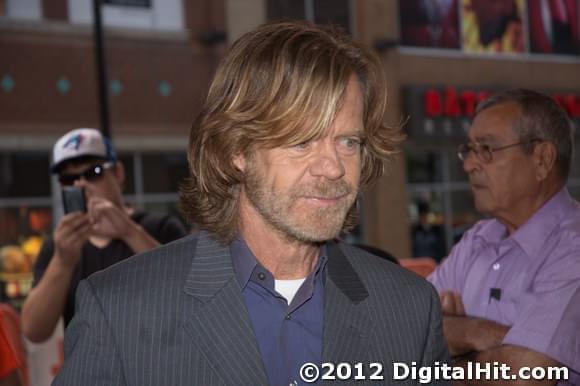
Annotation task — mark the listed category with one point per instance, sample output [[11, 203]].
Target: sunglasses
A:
[[94, 173]]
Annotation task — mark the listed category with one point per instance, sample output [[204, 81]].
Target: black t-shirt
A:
[[163, 228]]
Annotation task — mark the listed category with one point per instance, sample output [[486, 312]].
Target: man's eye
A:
[[485, 148], [302, 146], [350, 143]]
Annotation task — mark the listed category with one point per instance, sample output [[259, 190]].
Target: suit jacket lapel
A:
[[218, 322], [347, 325]]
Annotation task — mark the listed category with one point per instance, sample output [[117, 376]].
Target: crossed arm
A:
[[480, 340]]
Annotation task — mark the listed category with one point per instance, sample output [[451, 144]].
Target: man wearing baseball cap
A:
[[86, 242]]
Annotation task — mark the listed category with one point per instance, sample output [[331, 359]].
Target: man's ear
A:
[[240, 162], [545, 156]]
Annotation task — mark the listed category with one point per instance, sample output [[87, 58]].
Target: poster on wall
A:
[[129, 3], [553, 26], [429, 23], [493, 26]]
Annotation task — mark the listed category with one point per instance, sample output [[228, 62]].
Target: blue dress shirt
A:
[[288, 335]]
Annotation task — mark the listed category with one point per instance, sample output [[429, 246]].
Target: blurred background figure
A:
[[554, 26], [428, 235], [104, 232]]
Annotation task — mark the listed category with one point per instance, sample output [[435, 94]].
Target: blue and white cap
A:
[[81, 143]]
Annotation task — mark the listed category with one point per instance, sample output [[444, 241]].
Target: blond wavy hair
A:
[[279, 85]]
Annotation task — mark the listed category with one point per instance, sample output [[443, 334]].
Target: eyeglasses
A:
[[93, 173], [485, 152]]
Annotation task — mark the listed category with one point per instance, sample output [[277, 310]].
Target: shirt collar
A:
[[244, 261], [532, 235], [492, 231]]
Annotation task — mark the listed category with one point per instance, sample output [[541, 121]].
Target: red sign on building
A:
[[438, 112]]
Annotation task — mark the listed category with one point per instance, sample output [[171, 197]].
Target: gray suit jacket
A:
[[176, 316]]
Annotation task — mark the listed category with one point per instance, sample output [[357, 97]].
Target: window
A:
[[129, 3], [25, 219], [291, 9], [152, 180], [22, 231], [424, 167], [22, 9], [128, 162], [163, 172], [333, 12], [24, 175], [440, 202], [336, 12], [157, 15]]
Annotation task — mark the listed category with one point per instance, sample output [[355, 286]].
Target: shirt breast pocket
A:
[[503, 311]]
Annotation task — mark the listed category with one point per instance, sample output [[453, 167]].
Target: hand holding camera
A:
[[109, 220], [72, 232]]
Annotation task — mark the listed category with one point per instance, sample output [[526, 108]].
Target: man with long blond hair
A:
[[290, 132]]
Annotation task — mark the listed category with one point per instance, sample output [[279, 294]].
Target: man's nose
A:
[[327, 162], [80, 182], [471, 162]]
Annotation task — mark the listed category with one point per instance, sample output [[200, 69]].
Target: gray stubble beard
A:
[[321, 224]]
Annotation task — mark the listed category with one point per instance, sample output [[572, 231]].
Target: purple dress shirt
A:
[[529, 280]]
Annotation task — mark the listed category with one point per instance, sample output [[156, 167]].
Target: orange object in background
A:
[[13, 260], [422, 266], [40, 220], [8, 359], [12, 350], [56, 367]]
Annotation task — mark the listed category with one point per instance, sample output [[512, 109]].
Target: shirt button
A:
[[496, 266], [261, 276], [288, 317]]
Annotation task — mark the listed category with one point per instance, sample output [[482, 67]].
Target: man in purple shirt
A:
[[510, 289]]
